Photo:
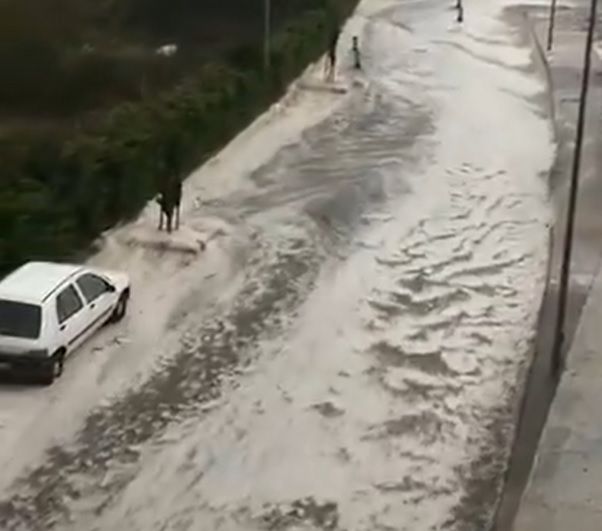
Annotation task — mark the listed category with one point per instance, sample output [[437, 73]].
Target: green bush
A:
[[57, 194]]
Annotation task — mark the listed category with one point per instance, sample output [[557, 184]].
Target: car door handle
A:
[[92, 306], [63, 327]]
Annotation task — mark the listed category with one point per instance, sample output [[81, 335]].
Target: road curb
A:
[[543, 58], [537, 346]]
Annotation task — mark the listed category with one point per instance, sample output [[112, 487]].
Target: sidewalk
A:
[[565, 489]]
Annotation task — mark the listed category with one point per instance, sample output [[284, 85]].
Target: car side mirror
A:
[[111, 288]]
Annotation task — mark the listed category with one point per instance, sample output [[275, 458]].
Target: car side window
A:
[[92, 286], [68, 303]]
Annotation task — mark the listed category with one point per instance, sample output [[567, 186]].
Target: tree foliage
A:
[[60, 188]]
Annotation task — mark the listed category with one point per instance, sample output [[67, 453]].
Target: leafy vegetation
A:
[[87, 112]]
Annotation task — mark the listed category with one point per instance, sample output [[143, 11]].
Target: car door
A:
[[99, 297], [71, 317]]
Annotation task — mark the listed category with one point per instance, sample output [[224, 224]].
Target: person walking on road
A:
[[460, 9], [331, 59], [170, 190], [169, 202], [355, 49]]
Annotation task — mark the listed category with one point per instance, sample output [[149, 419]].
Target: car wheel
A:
[[52, 370], [121, 308]]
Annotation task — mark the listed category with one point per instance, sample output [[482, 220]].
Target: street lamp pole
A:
[[266, 33], [559, 336], [551, 24]]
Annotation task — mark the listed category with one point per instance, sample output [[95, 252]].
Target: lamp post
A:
[[551, 21], [559, 336], [267, 8]]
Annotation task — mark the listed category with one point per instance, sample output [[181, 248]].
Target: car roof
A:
[[35, 281]]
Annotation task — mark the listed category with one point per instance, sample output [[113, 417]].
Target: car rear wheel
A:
[[120, 308], [53, 369]]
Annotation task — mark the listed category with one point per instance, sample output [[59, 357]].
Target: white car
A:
[[47, 310]]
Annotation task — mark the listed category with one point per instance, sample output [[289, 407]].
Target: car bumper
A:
[[23, 362]]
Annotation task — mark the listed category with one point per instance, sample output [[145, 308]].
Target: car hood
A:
[[119, 279]]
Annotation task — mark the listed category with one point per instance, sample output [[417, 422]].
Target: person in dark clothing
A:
[[170, 194], [169, 202], [460, 8], [331, 59], [160, 199], [355, 49]]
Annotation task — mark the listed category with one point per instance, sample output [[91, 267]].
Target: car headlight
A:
[[38, 353]]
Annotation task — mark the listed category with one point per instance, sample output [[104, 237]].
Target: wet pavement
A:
[[349, 351]]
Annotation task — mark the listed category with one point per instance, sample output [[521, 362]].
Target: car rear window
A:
[[18, 319]]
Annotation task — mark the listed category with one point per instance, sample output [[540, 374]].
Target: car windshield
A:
[[18, 319]]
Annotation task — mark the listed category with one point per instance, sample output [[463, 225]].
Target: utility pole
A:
[[267, 8], [551, 24], [559, 336]]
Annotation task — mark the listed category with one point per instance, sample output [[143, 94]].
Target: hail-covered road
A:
[[347, 353]]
